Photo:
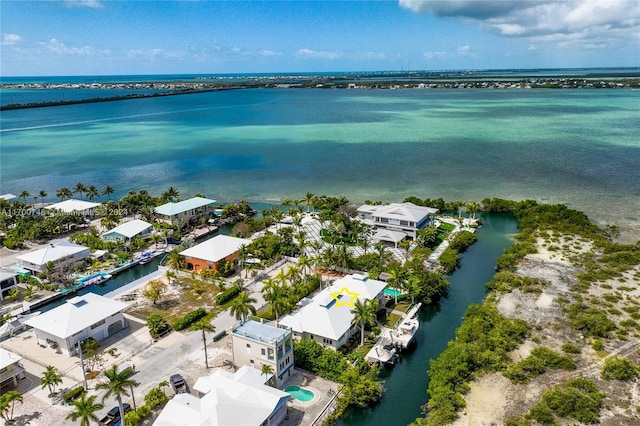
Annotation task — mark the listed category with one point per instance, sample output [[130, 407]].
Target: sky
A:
[[107, 37]]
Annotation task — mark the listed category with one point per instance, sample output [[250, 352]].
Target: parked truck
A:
[[178, 384], [113, 416]]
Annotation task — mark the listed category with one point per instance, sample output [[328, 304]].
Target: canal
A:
[[407, 382]]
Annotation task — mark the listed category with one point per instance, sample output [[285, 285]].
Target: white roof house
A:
[[398, 217], [60, 253], [212, 251], [8, 281], [9, 367], [90, 315], [9, 197], [186, 209], [327, 317], [231, 399], [128, 230], [75, 206]]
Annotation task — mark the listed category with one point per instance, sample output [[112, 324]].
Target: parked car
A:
[[113, 416], [178, 384]]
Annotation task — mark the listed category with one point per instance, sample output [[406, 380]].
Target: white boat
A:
[[405, 332]]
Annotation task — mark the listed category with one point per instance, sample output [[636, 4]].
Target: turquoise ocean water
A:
[[579, 147]]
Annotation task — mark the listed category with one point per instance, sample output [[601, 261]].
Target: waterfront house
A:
[[74, 207], [8, 281], [239, 398], [61, 254], [10, 368], [211, 253], [77, 319], [126, 231], [398, 218], [10, 198], [186, 211], [257, 343], [327, 317]]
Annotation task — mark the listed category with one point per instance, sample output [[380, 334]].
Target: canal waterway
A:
[[121, 279], [407, 382]]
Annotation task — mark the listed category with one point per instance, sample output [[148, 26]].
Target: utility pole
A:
[[84, 373]]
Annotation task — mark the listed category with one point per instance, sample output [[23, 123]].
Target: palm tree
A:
[[171, 194], [204, 326], [42, 194], [63, 193], [108, 191], [309, 199], [413, 286], [396, 278], [118, 384], [92, 192], [50, 378], [305, 264], [242, 256], [24, 195], [7, 401], [80, 189], [242, 306], [163, 384], [175, 260], [472, 208], [85, 409], [266, 370], [364, 313], [171, 275], [276, 297]]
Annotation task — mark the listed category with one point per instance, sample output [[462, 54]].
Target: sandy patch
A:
[[486, 401]]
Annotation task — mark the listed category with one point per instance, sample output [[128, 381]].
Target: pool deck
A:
[[311, 412]]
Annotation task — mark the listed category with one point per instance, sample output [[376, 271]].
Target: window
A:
[[98, 324], [263, 352]]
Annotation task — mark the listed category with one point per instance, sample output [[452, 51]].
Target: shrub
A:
[[188, 319], [227, 295], [155, 397], [590, 321], [449, 260], [535, 364], [618, 369], [463, 240], [579, 399], [570, 348], [73, 394], [157, 324]]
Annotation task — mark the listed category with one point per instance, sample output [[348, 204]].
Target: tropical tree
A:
[[154, 290], [42, 194], [108, 191], [364, 312], [118, 384], [205, 327], [276, 297], [242, 306], [85, 408], [164, 384], [413, 287], [171, 275], [243, 252], [266, 369], [396, 279], [7, 401], [24, 195], [305, 264], [50, 378], [92, 192], [80, 189], [175, 260], [309, 199], [171, 194], [63, 193]]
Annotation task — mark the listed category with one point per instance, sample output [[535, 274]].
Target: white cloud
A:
[[92, 4], [317, 54], [10, 39], [60, 48], [588, 23], [464, 51], [270, 53], [153, 54]]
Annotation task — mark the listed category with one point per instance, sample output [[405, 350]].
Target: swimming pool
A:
[[391, 292], [300, 394]]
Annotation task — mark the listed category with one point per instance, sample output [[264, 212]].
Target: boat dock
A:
[[392, 341]]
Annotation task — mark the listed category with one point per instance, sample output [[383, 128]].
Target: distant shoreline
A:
[[411, 81]]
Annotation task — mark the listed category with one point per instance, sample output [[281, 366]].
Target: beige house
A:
[[81, 317], [256, 344], [61, 254], [185, 211], [8, 281], [10, 368]]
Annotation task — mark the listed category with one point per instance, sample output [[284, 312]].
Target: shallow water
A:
[[578, 147]]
